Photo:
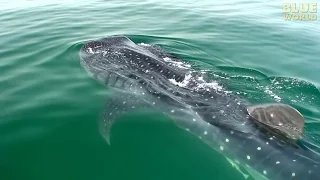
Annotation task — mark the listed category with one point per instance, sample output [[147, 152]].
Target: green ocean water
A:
[[50, 107]]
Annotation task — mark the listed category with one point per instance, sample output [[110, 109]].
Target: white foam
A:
[[90, 51], [183, 83], [177, 63], [208, 86], [201, 79], [272, 94], [166, 59], [143, 44]]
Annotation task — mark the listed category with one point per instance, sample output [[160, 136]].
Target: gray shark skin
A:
[[146, 77]]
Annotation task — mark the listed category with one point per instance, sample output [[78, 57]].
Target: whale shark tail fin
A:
[[278, 119]]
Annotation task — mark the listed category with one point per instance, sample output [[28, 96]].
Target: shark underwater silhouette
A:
[[263, 139]]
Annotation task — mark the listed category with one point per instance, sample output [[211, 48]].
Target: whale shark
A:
[[144, 76]]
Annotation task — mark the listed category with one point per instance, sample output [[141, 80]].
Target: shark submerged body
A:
[[145, 76]]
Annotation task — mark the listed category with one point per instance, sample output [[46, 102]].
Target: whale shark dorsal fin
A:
[[281, 119]]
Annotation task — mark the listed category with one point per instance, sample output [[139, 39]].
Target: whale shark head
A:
[[104, 56], [119, 57]]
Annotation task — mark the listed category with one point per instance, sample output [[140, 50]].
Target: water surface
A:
[[50, 107]]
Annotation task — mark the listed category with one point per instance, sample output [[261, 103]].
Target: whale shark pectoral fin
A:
[[183, 118], [116, 106], [237, 167], [255, 174], [278, 118], [186, 119]]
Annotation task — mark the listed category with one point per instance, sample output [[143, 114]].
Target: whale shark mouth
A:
[[261, 138]]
